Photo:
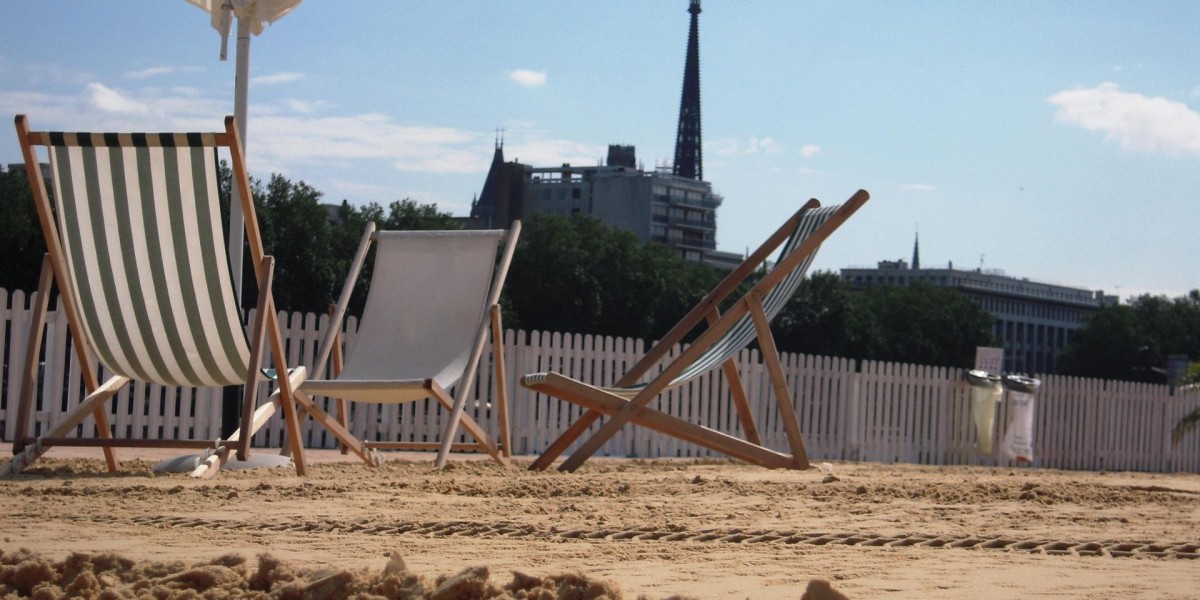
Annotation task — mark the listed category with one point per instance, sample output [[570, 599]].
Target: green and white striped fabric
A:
[[141, 230], [743, 331]]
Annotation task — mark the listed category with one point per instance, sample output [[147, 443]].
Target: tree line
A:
[[574, 275]]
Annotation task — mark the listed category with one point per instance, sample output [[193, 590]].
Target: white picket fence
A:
[[849, 410]]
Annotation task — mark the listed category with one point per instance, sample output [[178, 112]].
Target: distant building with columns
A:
[[1034, 321]]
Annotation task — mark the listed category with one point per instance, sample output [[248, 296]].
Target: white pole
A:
[[241, 93]]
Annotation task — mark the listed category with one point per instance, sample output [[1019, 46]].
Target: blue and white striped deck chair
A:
[[135, 245], [746, 320]]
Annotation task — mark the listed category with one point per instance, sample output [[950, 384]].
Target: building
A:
[[669, 205], [656, 206], [1034, 321]]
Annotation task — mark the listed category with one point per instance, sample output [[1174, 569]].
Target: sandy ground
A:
[[703, 529]]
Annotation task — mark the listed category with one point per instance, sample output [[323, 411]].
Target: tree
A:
[[821, 318], [578, 276], [1190, 421], [408, 215], [295, 230], [1132, 341], [915, 324], [21, 242], [921, 324]]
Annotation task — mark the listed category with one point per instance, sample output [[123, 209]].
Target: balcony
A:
[[706, 224]]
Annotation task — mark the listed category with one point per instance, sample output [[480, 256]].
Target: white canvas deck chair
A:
[[432, 298], [135, 246], [726, 335]]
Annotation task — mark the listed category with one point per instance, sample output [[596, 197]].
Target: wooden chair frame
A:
[[599, 402], [331, 351], [54, 271]]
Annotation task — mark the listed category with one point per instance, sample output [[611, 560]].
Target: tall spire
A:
[[916, 263], [689, 161]]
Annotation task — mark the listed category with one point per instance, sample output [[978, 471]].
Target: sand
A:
[[617, 528]]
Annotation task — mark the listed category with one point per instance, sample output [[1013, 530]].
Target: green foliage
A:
[[1190, 421], [578, 276], [916, 324], [1131, 342], [1192, 376], [21, 244], [296, 231], [407, 215]]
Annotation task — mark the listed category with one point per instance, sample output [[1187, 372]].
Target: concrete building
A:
[[670, 205], [656, 206], [1034, 321]]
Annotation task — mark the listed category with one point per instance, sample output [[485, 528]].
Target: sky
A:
[[1054, 140]]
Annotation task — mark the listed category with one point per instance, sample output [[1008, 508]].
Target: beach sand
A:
[[653, 528]]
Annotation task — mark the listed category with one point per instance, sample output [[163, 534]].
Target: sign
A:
[[989, 359]]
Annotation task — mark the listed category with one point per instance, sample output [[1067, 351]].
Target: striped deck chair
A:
[[136, 249], [726, 335], [432, 298]]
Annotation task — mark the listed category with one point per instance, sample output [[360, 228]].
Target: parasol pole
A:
[[231, 404], [241, 95]]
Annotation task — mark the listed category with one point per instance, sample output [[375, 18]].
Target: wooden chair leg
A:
[[286, 395], [29, 381], [338, 365], [210, 466], [564, 441], [89, 405], [783, 396], [466, 422], [104, 430], [324, 419], [257, 337], [737, 391], [505, 440]]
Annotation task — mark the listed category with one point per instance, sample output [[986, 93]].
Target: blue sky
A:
[[1058, 141]]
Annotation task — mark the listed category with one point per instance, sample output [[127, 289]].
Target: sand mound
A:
[[106, 576]]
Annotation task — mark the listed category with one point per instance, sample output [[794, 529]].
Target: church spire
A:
[[916, 263], [689, 160]]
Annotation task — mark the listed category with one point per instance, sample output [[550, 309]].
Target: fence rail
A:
[[849, 410]]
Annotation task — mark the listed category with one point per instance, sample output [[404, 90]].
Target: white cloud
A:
[[306, 107], [1144, 123], [110, 100], [55, 74], [288, 143], [148, 73], [918, 187], [738, 147], [528, 78], [809, 150], [765, 145], [277, 78], [299, 138], [538, 151]]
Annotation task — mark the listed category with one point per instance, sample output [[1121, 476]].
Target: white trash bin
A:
[[1018, 438], [986, 392]]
